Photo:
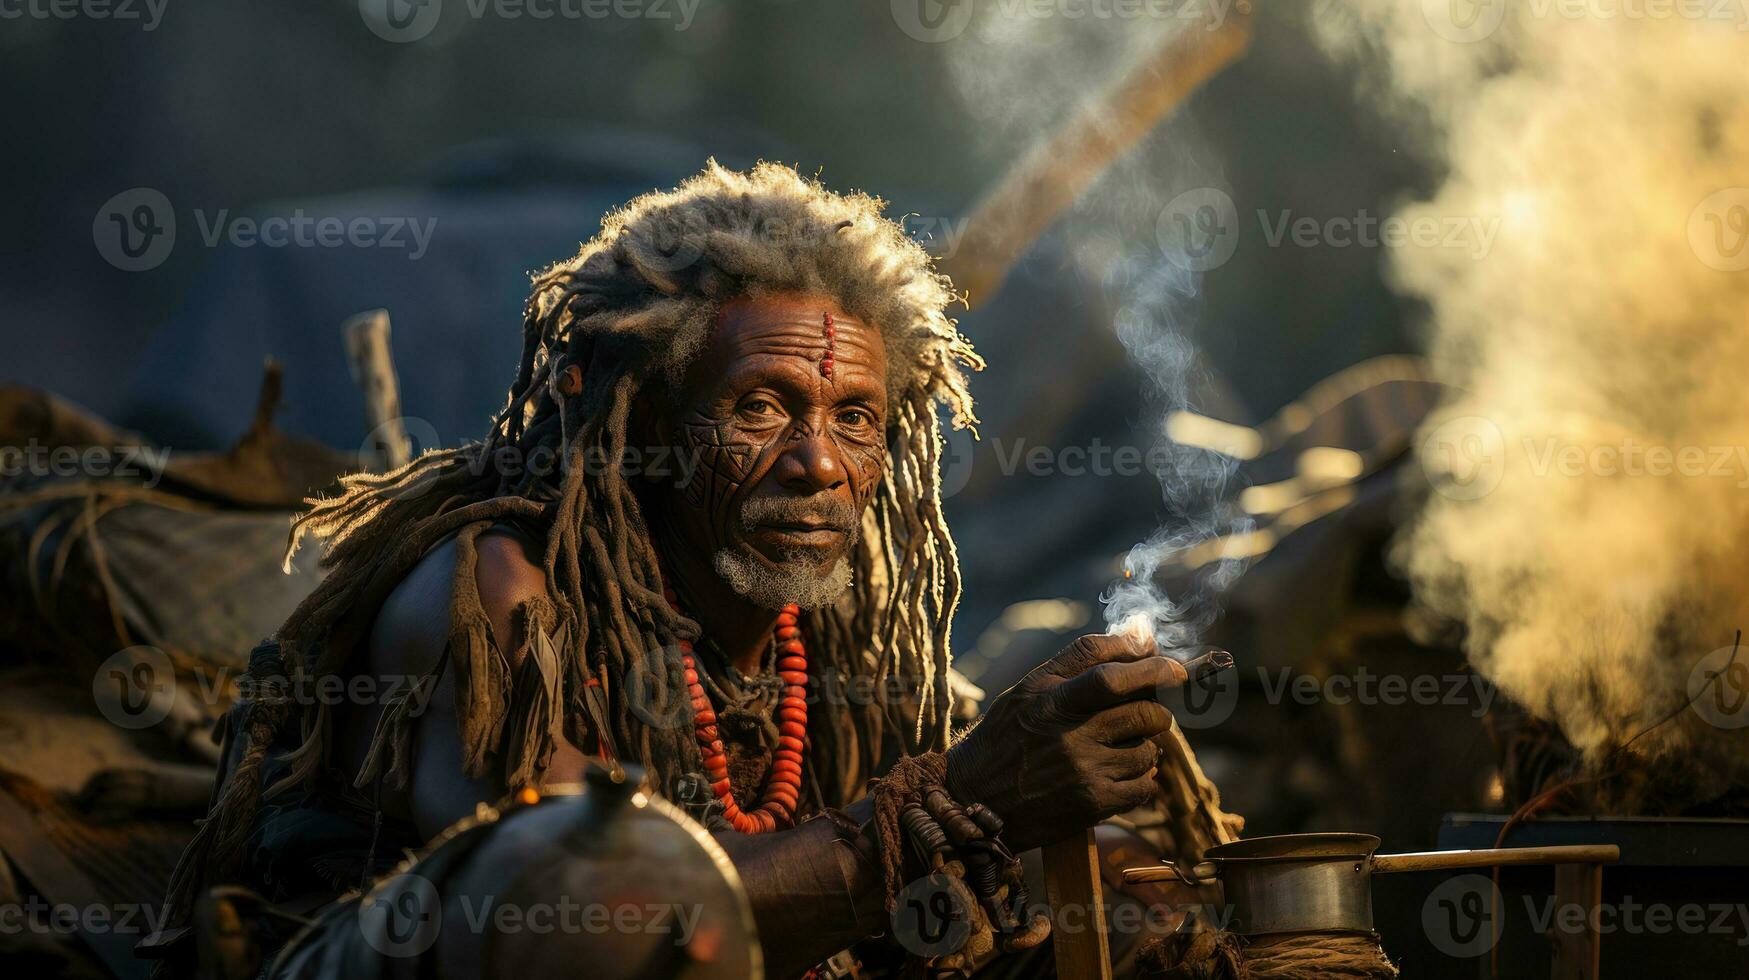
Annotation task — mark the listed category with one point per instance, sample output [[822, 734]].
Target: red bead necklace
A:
[[783, 784]]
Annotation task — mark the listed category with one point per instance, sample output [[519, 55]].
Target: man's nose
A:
[[810, 462]]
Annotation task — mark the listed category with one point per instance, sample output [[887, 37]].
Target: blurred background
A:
[[501, 137], [477, 142], [1210, 371], [514, 134]]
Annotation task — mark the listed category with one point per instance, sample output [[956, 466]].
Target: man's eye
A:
[[757, 408], [856, 417]]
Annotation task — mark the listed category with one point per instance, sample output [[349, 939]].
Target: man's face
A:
[[789, 451]]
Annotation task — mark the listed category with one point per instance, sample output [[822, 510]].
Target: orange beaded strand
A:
[[783, 784]]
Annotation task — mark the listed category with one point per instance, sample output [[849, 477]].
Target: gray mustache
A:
[[833, 512]]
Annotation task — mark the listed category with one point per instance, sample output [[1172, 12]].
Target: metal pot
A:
[[1323, 882]]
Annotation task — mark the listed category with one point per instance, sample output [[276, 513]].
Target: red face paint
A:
[[831, 336]]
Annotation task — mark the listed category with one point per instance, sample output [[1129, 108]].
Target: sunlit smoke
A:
[[1590, 520]]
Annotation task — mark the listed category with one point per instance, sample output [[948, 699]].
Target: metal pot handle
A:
[[1201, 873]]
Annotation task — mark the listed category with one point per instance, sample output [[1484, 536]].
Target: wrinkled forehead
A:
[[755, 329]]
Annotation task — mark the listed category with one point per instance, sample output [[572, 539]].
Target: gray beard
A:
[[805, 583]]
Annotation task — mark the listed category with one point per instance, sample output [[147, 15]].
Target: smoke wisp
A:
[[1024, 75]]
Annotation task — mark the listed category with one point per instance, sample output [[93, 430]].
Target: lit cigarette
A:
[[1141, 626], [1212, 662]]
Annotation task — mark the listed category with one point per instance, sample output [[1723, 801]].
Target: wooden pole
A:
[[373, 370], [1578, 955], [1077, 908], [1058, 169]]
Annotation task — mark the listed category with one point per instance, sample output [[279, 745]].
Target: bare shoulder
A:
[[508, 572], [413, 624]]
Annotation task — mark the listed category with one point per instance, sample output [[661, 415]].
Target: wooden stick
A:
[[1496, 857], [1072, 882], [373, 370], [1384, 864], [1061, 167]]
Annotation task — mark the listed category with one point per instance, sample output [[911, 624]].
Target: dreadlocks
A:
[[629, 312]]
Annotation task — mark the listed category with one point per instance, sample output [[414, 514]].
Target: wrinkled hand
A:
[[1069, 745]]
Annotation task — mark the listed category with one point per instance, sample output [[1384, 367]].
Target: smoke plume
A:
[[1590, 516], [1197, 483], [1024, 75]]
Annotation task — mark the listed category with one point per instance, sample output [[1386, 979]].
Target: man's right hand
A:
[[1070, 744]]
